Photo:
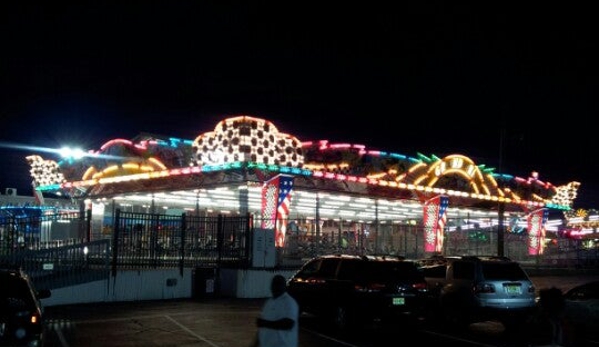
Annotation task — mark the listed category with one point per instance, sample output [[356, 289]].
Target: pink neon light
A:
[[341, 145], [115, 141]]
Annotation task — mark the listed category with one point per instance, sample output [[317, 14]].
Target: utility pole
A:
[[501, 206]]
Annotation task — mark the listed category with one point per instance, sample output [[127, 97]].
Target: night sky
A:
[[511, 87]]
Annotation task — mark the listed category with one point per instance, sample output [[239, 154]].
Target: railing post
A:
[[88, 225], [183, 237], [249, 237], [115, 240]]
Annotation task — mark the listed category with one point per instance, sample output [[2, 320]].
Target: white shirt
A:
[[284, 306]]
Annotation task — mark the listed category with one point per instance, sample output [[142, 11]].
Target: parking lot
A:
[[215, 322]]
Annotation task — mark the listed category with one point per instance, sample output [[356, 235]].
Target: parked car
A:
[[582, 309], [471, 289], [347, 289], [21, 310]]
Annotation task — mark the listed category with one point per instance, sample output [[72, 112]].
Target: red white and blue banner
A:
[[276, 199], [39, 197], [536, 230], [435, 218]]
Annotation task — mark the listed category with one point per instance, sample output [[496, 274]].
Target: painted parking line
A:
[[61, 338], [201, 338]]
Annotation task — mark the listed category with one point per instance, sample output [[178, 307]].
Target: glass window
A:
[[328, 268], [503, 271], [349, 269], [435, 271], [310, 269], [463, 270]]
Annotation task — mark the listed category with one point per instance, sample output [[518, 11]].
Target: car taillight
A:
[[484, 288], [316, 280], [370, 287], [310, 280], [420, 286]]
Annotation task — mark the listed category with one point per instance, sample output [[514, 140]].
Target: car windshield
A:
[[15, 288], [379, 271], [503, 271]]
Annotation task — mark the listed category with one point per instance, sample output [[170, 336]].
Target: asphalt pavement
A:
[[212, 321]]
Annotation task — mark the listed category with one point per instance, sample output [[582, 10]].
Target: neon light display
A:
[[245, 142]]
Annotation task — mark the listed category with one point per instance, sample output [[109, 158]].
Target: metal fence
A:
[[25, 232], [63, 266], [146, 240], [407, 240], [63, 249], [55, 258]]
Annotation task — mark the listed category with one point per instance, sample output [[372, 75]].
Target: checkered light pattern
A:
[[566, 194], [247, 139], [44, 172], [434, 219]]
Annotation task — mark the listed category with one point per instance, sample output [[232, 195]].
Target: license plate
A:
[[513, 289], [399, 301]]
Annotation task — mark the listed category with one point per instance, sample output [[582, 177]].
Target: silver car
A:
[[472, 289]]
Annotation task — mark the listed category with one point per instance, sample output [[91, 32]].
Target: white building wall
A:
[[164, 285]]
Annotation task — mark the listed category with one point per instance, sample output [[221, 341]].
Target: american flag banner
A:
[[276, 199], [285, 189], [536, 230], [39, 197], [441, 221], [434, 219]]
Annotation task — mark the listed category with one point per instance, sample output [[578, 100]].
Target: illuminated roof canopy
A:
[[248, 149]]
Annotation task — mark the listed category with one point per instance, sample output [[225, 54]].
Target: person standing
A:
[[279, 318]]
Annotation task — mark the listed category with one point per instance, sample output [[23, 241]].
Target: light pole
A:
[[501, 206]]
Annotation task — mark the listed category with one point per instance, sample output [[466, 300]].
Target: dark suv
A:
[[349, 289], [21, 311], [472, 289]]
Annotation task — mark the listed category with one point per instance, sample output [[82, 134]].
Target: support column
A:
[[317, 222], [243, 197], [376, 227]]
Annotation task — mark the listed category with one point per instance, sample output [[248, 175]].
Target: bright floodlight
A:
[[74, 153]]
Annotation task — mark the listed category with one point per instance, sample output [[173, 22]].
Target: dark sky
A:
[[430, 77]]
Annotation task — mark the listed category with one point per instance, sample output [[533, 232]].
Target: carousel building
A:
[[245, 165]]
